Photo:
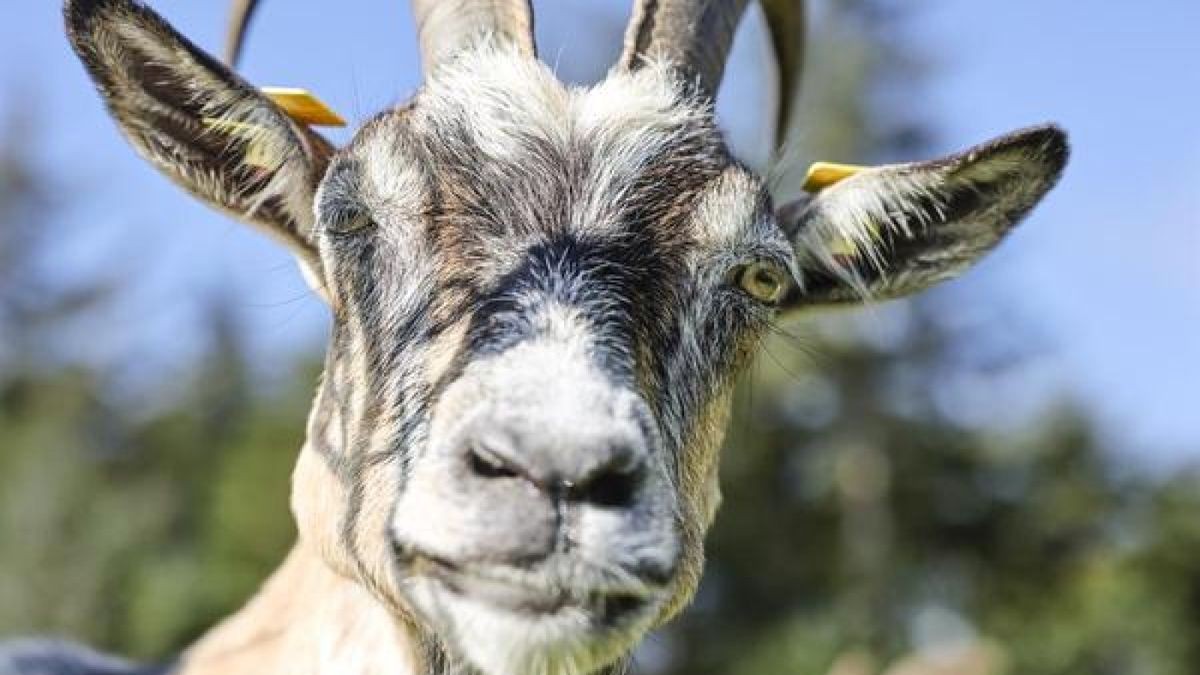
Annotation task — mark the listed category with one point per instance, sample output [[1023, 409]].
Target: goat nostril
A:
[[486, 463], [614, 488]]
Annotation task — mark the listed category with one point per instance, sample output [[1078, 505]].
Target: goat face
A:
[[539, 310], [542, 296]]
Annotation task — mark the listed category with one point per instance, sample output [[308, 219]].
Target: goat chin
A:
[[500, 641]]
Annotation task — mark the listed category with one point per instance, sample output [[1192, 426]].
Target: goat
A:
[[542, 296]]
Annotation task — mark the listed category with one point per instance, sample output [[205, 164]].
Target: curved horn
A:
[[693, 34], [785, 21], [446, 27], [235, 36]]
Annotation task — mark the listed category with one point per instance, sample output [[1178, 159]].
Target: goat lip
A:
[[519, 599], [609, 607]]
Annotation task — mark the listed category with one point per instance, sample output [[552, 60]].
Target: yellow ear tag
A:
[[298, 104], [302, 106], [823, 174]]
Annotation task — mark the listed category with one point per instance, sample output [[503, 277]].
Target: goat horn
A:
[[235, 36], [694, 35], [785, 21], [446, 27]]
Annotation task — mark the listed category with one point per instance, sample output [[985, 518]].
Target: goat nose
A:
[[607, 474], [613, 481]]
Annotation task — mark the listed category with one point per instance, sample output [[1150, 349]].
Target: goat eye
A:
[[762, 281], [350, 222]]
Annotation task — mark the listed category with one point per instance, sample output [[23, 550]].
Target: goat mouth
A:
[[607, 607]]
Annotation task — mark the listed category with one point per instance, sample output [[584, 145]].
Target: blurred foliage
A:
[[861, 518], [134, 530], [868, 525]]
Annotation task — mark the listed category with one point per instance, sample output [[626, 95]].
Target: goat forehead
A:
[[492, 130], [496, 158], [505, 99]]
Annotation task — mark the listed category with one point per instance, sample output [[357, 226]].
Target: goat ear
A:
[[894, 230], [199, 123]]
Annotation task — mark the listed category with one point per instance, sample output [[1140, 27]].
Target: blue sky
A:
[[1110, 265], [1108, 269]]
